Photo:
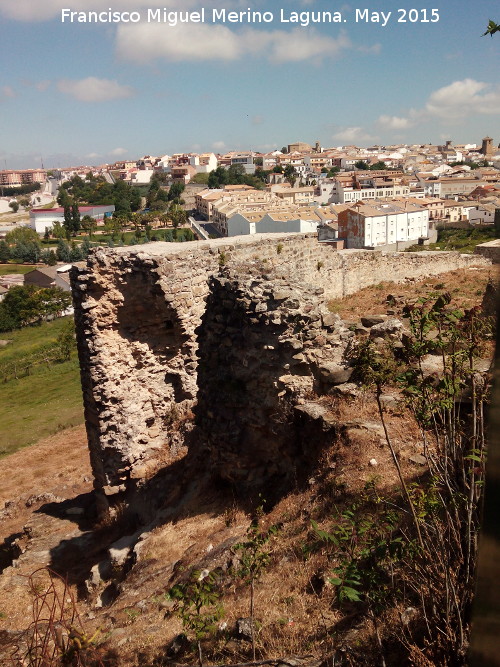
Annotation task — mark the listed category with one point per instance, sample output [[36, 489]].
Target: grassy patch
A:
[[462, 240], [44, 402], [39, 405], [15, 268], [28, 340]]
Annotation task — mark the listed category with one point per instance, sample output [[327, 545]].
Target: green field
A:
[[15, 268], [28, 340], [38, 405], [463, 240]]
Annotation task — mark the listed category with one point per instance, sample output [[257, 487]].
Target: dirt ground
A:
[[466, 287], [59, 465]]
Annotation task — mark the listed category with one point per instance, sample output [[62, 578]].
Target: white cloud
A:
[[219, 145], [464, 98], [353, 135], [395, 122], [7, 91], [92, 89], [193, 42], [257, 119], [451, 103], [92, 155], [145, 42], [36, 10], [117, 152], [298, 45]]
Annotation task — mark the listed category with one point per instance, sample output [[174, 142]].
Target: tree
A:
[[218, 178], [290, 174], [32, 253], [278, 169], [254, 557], [22, 234], [26, 252], [86, 246], [175, 191], [88, 225], [178, 216], [14, 206], [68, 220], [361, 164], [57, 230], [25, 202], [236, 174], [28, 304], [75, 218], [492, 28], [63, 251], [4, 252], [378, 166], [75, 254], [48, 257]]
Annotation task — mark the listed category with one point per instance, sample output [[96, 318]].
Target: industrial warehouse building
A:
[[44, 218]]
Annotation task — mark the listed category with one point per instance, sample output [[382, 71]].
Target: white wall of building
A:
[[238, 225], [389, 229], [480, 216]]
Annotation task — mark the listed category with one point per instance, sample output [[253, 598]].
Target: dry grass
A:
[[465, 285]]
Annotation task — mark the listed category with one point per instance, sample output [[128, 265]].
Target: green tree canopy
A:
[[492, 28], [27, 304], [24, 235]]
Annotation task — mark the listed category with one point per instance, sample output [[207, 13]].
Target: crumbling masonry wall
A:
[[237, 332]]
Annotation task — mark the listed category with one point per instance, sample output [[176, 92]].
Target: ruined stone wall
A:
[[239, 332], [491, 250]]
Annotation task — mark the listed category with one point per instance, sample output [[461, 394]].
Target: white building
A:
[[383, 224], [141, 177], [44, 218], [338, 192], [243, 225], [481, 214], [204, 163], [246, 161]]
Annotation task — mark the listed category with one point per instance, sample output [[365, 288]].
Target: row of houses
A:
[[308, 160]]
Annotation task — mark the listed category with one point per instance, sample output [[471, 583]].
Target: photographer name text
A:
[[247, 17]]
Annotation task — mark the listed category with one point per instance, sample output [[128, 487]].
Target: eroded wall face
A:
[[262, 348], [240, 333]]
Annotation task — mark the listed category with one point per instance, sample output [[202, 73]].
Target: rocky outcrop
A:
[[240, 333]]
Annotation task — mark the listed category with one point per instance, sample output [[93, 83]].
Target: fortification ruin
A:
[[237, 334]]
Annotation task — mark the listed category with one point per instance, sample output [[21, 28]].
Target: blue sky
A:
[[87, 94]]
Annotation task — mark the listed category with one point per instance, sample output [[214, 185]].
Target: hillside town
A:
[[292, 383], [377, 197], [390, 198]]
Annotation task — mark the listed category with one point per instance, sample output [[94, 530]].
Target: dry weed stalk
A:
[[56, 635]]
